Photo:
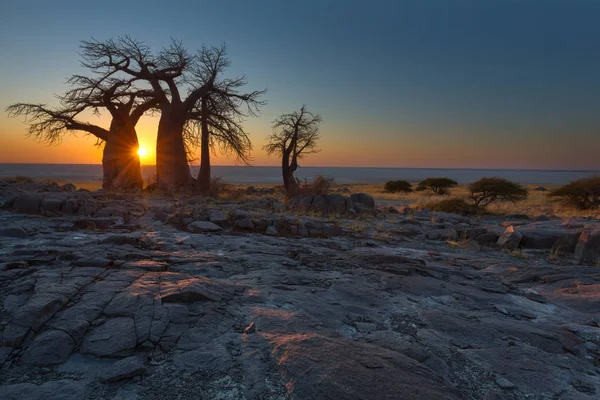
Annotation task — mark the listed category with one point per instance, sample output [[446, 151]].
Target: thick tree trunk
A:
[[172, 169], [203, 181], [120, 161], [289, 182]]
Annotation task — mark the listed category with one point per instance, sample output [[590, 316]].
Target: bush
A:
[[489, 190], [455, 206], [319, 186], [583, 193], [216, 187], [397, 187], [437, 185]]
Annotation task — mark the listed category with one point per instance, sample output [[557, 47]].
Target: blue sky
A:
[[399, 83]]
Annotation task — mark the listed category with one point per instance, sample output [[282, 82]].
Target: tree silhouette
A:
[[218, 123], [295, 135], [169, 72], [126, 105]]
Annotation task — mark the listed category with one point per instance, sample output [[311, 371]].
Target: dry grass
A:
[[537, 203]]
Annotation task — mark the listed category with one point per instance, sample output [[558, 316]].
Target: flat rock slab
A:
[[203, 226], [49, 348], [115, 338], [54, 390], [124, 369]]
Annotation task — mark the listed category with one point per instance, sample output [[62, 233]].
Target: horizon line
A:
[[358, 167]]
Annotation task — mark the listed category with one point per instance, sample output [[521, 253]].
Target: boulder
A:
[[115, 338], [49, 348], [337, 203], [217, 217], [301, 202], [271, 231], [588, 247], [16, 232], [441, 234], [544, 238], [28, 202], [203, 226], [124, 369], [510, 239], [244, 223], [52, 205], [319, 205], [364, 199]]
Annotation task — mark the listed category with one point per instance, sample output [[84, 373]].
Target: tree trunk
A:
[[172, 169], [120, 161], [203, 181]]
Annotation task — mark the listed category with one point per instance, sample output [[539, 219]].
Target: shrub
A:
[[455, 206], [319, 186], [397, 187], [437, 185], [489, 190], [583, 193], [216, 187]]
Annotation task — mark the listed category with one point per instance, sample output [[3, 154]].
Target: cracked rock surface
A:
[[148, 310]]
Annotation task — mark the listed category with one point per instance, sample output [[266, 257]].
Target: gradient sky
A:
[[429, 83]]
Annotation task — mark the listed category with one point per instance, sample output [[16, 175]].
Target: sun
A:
[[142, 152]]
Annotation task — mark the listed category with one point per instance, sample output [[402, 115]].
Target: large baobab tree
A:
[[294, 136], [125, 104], [169, 73]]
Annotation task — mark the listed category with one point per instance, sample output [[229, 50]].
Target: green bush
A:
[[583, 193], [455, 206], [397, 186], [489, 190], [437, 185]]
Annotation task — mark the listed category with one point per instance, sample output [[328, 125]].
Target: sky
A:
[[428, 83]]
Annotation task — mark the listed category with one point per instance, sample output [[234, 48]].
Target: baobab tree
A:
[[125, 104], [218, 122], [294, 136], [169, 73]]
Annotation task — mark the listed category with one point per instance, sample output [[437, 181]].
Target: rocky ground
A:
[[143, 297]]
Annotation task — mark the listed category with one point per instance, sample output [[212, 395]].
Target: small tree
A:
[[397, 187], [437, 185], [583, 193], [295, 135], [489, 190]]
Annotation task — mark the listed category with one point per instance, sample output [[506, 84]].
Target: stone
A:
[[28, 202], [211, 357], [39, 309], [115, 338], [544, 238], [124, 369], [49, 348], [510, 239], [272, 231], [217, 217], [338, 204], [588, 247], [441, 234], [52, 205], [64, 389], [504, 383], [363, 198], [15, 232], [244, 223], [319, 205], [203, 226], [301, 202]]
